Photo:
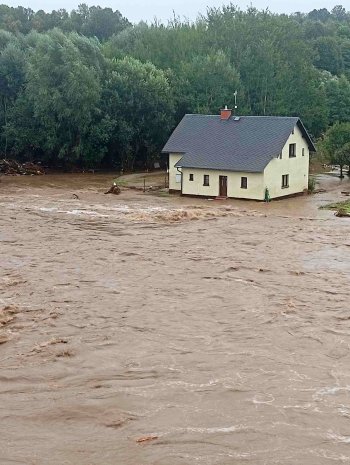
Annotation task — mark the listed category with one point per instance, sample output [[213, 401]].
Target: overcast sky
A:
[[137, 10]]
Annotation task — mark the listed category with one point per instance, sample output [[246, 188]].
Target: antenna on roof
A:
[[235, 107]]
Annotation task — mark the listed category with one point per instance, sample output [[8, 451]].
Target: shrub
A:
[[311, 185]]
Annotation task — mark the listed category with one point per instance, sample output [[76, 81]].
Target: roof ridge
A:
[[245, 116]]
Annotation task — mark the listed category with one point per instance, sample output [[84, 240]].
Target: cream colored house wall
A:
[[173, 184], [255, 188], [297, 168]]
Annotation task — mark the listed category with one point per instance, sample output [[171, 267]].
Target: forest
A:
[[88, 89]]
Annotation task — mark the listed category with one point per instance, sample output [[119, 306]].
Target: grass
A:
[[341, 208], [121, 182]]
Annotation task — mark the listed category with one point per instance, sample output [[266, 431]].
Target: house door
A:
[[223, 186]]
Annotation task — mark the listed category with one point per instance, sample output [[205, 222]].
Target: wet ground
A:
[[145, 329]]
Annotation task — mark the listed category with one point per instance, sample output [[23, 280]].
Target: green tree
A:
[[339, 13], [329, 54], [335, 139], [138, 100], [62, 93], [338, 98], [209, 83], [96, 21], [12, 76], [322, 15], [342, 157]]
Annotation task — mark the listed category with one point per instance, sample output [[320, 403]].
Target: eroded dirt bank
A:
[[225, 337]]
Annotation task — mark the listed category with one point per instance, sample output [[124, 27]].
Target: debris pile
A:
[[13, 168], [114, 189], [342, 212], [342, 209]]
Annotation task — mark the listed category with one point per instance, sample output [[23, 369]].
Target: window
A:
[[191, 177], [206, 180], [303, 151], [292, 150], [244, 182], [285, 181], [178, 177]]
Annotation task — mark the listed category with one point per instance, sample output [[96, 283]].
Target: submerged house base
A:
[[217, 197]]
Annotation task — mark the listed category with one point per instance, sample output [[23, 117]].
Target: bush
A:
[[311, 185]]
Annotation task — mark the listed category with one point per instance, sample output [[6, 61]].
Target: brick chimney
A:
[[225, 113]]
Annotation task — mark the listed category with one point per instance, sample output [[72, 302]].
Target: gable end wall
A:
[[297, 168], [173, 159]]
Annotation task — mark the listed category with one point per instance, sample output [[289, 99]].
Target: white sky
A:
[[147, 10]]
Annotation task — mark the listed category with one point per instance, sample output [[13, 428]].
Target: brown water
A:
[[221, 330]]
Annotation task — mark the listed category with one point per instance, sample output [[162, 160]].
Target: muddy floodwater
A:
[[144, 329]]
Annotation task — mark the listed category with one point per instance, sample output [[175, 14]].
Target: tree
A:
[[339, 13], [322, 15], [62, 93], [12, 76], [338, 98], [104, 22], [96, 21], [329, 54], [138, 100], [345, 51], [342, 157], [335, 139], [314, 30], [209, 82]]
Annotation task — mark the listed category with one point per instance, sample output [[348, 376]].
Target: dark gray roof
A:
[[245, 145]]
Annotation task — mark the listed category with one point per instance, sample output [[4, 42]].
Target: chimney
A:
[[225, 113]]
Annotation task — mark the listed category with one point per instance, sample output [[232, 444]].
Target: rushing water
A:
[[219, 335]]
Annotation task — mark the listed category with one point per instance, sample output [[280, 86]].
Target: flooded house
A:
[[243, 157]]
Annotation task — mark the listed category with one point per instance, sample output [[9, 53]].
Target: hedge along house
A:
[[239, 157]]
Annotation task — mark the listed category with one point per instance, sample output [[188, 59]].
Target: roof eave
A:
[[220, 169], [311, 145], [172, 151]]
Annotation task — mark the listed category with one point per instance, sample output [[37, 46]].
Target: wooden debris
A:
[[342, 213], [14, 168], [114, 189], [146, 438]]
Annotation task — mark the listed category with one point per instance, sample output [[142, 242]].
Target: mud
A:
[[140, 329]]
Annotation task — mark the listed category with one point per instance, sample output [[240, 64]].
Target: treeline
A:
[[90, 21], [88, 88]]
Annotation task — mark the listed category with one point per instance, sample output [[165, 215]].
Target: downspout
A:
[[177, 169], [167, 176]]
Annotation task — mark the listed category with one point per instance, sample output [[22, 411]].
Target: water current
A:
[[153, 330]]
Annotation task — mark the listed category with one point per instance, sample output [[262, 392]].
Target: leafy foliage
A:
[[88, 88], [336, 144]]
